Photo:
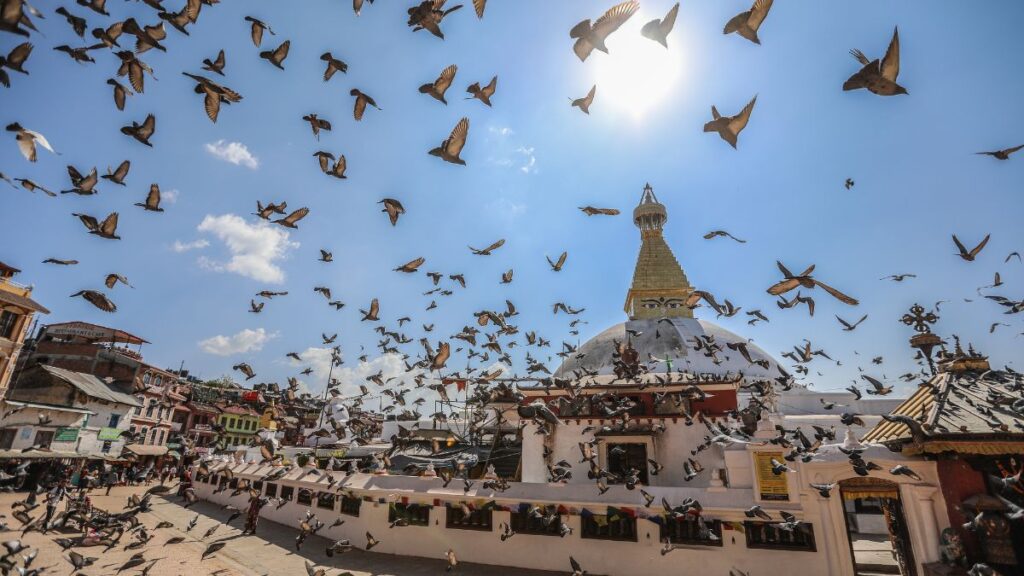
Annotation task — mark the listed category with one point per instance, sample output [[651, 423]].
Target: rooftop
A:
[[965, 401]]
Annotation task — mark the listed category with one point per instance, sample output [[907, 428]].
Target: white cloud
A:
[[180, 246], [530, 161], [233, 152], [169, 196], [506, 208], [500, 130], [242, 342], [255, 248]]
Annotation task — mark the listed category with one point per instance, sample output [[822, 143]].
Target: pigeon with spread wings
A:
[[451, 148], [878, 76], [729, 127], [593, 36], [747, 23], [658, 30], [970, 255], [437, 88], [805, 280], [585, 102]]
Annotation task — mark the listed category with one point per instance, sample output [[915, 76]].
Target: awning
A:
[[93, 333], [49, 407], [146, 449], [37, 454]]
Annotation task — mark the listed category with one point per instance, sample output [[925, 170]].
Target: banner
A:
[[109, 434], [66, 435], [770, 486]]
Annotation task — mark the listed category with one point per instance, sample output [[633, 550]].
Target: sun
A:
[[637, 74]]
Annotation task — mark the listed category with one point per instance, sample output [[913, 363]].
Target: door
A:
[[876, 527]]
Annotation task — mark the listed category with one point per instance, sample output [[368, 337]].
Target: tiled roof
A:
[[960, 403], [21, 302], [91, 386]]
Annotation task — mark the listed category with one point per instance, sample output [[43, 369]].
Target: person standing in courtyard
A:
[[253, 515], [110, 478], [56, 494]]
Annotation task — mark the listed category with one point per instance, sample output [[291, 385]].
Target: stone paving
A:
[[271, 552]]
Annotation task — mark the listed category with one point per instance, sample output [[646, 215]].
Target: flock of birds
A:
[[489, 340]]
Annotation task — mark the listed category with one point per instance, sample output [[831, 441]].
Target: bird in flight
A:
[[805, 280], [658, 30], [589, 37], [969, 255], [879, 77], [746, 24], [1002, 154], [729, 127]]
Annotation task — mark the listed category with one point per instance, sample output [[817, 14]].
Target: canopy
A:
[[93, 333], [146, 449], [37, 454]]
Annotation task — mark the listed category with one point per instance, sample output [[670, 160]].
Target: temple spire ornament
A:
[[660, 287], [924, 340]]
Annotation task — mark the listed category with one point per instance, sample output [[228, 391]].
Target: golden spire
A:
[[660, 287]]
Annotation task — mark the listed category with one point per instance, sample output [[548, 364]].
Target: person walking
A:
[[253, 514], [110, 479], [53, 498]]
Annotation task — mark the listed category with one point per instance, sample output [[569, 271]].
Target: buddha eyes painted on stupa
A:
[[665, 303]]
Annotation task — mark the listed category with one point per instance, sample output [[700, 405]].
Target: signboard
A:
[[109, 434], [770, 486], [330, 452], [66, 435]]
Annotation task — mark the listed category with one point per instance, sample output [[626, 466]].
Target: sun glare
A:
[[637, 74]]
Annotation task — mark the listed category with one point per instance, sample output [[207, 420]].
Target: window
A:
[[624, 457], [233, 483], [150, 408], [257, 485], [603, 527], [159, 381], [479, 519], [146, 377], [325, 500], [144, 433], [305, 497], [525, 523], [770, 536], [7, 438], [115, 419], [105, 449], [673, 405], [414, 514], [692, 530], [271, 491], [7, 321], [287, 492], [43, 439], [350, 506]]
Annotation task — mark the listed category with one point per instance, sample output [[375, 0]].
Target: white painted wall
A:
[[527, 551]]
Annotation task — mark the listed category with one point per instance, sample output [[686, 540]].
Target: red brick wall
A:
[[958, 481]]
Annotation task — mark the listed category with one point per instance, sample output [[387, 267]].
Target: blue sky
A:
[[532, 160]]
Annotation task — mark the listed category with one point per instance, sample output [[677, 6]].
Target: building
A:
[[969, 420], [16, 311], [653, 409], [240, 424], [159, 404], [81, 414]]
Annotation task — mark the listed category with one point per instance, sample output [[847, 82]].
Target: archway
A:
[[876, 527]]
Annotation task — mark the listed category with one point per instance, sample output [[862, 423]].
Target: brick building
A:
[[16, 311]]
